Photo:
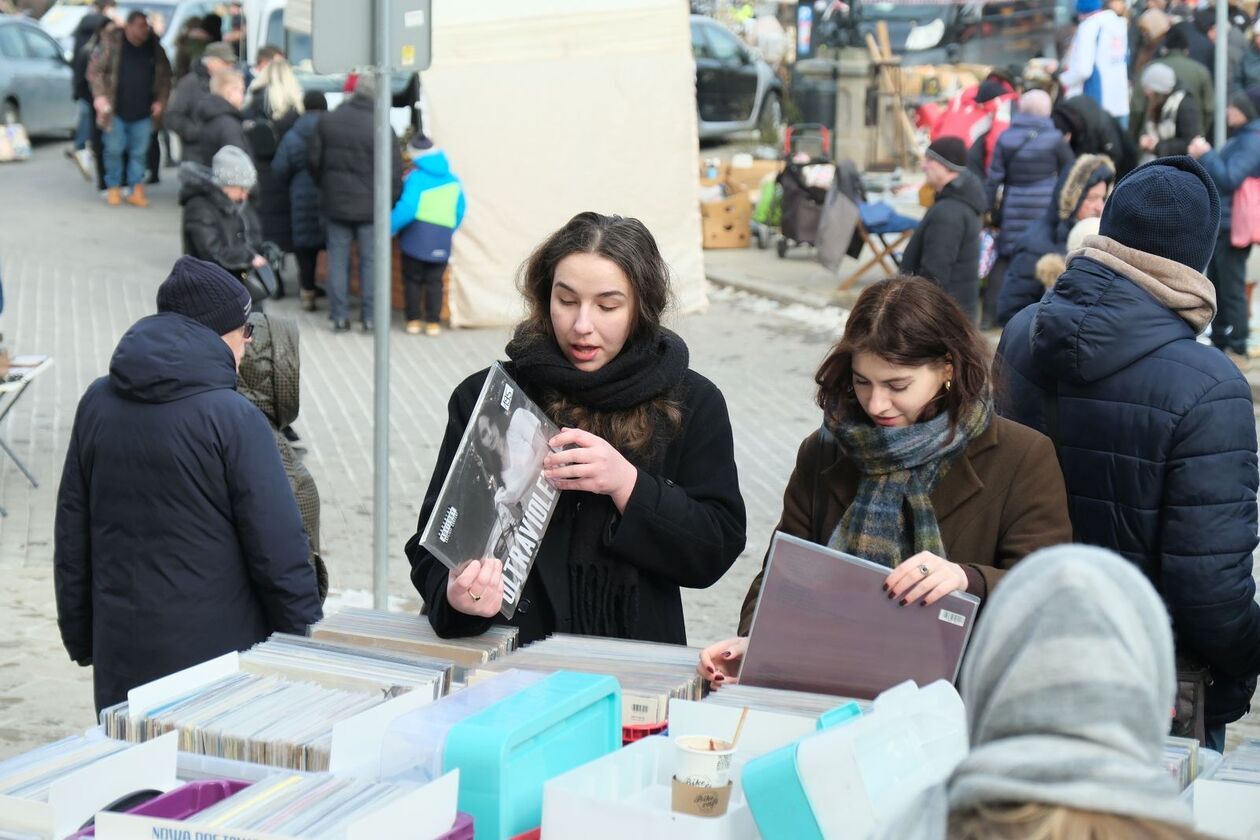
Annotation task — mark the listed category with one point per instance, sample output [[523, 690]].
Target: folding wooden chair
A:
[[876, 223]]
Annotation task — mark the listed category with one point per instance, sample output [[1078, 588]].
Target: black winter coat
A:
[[220, 124], [290, 170], [1027, 162], [180, 115], [684, 527], [273, 195], [340, 155], [1101, 135], [216, 228], [1157, 440], [945, 247], [177, 538]]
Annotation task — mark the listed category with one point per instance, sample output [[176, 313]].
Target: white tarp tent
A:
[[547, 108]]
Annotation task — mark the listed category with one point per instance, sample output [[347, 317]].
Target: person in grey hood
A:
[[945, 247], [1067, 685], [269, 376]]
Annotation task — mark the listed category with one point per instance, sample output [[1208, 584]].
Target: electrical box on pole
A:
[[342, 37]]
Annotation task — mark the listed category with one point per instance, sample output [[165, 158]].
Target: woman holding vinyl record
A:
[[911, 467], [650, 497]]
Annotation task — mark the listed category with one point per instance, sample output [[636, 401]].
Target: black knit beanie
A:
[[206, 293], [1168, 207]]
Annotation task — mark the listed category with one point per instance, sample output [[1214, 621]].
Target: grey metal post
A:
[[382, 275], [1222, 71]]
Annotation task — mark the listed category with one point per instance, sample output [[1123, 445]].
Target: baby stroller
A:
[[803, 184]]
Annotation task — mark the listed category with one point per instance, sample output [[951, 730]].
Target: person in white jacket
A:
[[1097, 64]]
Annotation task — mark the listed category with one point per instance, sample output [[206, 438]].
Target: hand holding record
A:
[[478, 588]]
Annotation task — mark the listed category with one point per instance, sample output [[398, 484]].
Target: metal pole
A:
[[382, 274], [1222, 71]]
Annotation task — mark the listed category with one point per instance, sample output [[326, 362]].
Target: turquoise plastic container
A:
[[506, 752], [772, 786]]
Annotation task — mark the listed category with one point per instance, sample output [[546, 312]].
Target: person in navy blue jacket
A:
[[1029, 159], [305, 216], [425, 219], [177, 537], [1237, 160], [1156, 433]]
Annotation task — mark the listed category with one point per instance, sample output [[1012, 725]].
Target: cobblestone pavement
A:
[[77, 274]]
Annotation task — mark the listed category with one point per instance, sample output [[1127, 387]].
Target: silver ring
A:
[[924, 570]]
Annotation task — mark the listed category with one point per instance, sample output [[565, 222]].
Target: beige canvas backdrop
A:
[[547, 108]]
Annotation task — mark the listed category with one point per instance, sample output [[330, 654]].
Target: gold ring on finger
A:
[[474, 596]]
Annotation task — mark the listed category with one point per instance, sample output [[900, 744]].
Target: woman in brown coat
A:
[[911, 468]]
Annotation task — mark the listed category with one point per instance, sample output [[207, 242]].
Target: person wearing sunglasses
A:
[[177, 536]]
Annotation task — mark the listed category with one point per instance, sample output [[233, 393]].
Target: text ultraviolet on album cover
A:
[[495, 501]]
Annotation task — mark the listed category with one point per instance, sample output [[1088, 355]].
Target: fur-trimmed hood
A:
[[1086, 172]]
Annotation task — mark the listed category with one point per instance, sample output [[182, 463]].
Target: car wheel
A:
[[770, 120], [9, 113]]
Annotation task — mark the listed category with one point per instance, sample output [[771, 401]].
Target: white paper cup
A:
[[699, 766]]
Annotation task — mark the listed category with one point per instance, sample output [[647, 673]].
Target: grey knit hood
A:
[[1069, 686]]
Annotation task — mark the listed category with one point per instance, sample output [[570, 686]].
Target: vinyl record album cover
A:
[[495, 501]]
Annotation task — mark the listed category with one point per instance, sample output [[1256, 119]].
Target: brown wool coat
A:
[[1003, 500]]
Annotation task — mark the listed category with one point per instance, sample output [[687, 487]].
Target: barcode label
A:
[[953, 618], [641, 708]]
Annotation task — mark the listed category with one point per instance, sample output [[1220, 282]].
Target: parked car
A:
[[999, 33], [735, 89], [36, 88]]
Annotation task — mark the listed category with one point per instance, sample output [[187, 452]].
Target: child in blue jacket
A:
[[427, 214]]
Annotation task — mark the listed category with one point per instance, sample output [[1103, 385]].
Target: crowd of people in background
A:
[[266, 169], [1134, 84]]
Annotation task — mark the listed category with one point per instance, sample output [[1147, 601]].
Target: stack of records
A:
[[297, 806], [412, 634], [651, 674], [802, 703], [28, 776], [349, 668], [1241, 765], [248, 717], [1181, 759]]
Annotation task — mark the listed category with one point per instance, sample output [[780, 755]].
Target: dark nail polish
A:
[[892, 595], [903, 602], [923, 603], [885, 587]]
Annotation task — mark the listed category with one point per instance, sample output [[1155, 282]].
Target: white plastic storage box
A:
[[627, 796]]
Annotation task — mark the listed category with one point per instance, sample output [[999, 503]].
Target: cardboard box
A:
[[727, 223], [703, 173], [746, 178]]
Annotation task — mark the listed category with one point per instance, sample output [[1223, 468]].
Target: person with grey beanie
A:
[[1068, 683], [1173, 116], [177, 537], [219, 224]]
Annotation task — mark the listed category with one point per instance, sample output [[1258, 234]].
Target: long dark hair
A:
[[906, 321], [630, 245]]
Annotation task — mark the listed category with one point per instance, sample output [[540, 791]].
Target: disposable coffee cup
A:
[[703, 762]]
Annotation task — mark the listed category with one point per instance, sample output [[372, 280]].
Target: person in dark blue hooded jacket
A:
[[1156, 433], [177, 537]]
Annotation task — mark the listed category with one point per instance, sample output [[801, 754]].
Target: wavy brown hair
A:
[[1035, 821], [630, 245], [906, 321]]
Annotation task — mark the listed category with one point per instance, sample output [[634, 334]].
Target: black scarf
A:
[[604, 590]]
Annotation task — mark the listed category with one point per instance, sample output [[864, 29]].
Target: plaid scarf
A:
[[900, 468]]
